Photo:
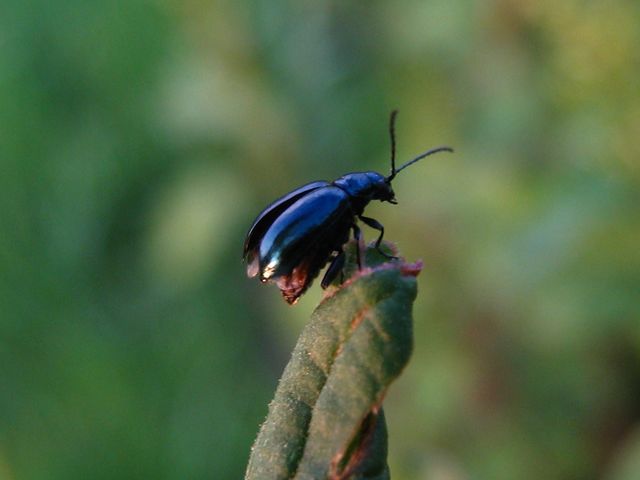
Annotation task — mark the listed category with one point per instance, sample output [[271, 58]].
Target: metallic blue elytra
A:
[[297, 235]]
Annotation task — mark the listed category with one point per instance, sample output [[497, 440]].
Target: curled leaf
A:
[[326, 420]]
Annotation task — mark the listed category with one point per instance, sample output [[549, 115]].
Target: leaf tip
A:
[[411, 269]]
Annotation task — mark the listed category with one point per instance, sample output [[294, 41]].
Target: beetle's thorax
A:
[[363, 187]]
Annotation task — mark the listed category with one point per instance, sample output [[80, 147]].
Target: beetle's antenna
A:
[[419, 157], [392, 134]]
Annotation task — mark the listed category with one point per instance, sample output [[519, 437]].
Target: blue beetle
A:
[[297, 235]]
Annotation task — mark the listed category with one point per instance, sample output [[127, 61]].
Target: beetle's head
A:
[[366, 186], [381, 188]]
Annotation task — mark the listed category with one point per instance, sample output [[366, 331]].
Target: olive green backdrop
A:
[[139, 139]]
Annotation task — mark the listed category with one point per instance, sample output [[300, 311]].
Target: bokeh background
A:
[[139, 139]]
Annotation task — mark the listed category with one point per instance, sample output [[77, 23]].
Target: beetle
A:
[[297, 235]]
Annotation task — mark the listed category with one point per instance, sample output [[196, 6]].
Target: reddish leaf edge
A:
[[407, 269]]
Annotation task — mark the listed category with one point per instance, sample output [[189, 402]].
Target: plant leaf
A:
[[325, 420]]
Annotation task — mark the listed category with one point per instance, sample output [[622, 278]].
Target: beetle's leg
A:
[[336, 267], [378, 226], [357, 234]]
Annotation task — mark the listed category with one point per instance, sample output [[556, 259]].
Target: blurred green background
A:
[[139, 139]]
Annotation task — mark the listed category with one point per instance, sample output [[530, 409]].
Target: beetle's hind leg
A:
[[337, 264], [357, 235], [334, 268], [377, 226]]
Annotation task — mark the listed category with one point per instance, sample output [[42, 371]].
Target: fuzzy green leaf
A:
[[325, 420]]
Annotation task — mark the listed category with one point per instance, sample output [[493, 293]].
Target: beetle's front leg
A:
[[378, 226], [334, 268]]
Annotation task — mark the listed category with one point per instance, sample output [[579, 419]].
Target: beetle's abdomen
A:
[[269, 215], [300, 241], [309, 224]]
